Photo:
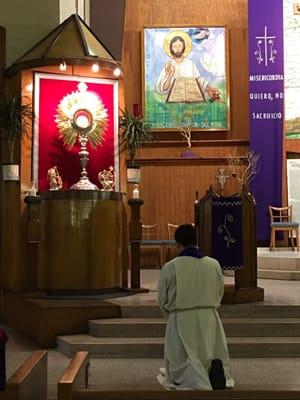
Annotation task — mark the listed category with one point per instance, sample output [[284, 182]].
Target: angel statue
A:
[[55, 181], [107, 179]]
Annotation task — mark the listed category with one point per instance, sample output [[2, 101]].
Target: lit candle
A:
[[136, 192]]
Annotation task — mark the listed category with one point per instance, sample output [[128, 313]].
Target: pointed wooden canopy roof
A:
[[72, 41]]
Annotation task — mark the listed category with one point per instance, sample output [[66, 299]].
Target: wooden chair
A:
[[171, 230], [282, 220], [171, 251], [150, 233]]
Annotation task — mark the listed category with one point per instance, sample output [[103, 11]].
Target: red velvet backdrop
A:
[[51, 150]]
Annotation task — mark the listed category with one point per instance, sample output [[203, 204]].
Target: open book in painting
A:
[[185, 90]]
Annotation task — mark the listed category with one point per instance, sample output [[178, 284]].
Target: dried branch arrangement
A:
[[187, 134], [244, 168]]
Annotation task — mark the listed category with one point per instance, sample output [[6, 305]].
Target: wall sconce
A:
[[63, 66], [117, 71], [95, 67], [29, 87]]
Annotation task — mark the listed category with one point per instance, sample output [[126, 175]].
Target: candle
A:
[[136, 110], [136, 192]]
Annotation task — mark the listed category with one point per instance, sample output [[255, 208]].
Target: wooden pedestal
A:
[[245, 295], [81, 241]]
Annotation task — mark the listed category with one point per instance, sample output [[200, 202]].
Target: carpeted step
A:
[[257, 310], [291, 263], [150, 327], [278, 274], [111, 347], [127, 327], [153, 347]]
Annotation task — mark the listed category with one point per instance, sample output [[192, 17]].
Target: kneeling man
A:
[[189, 292]]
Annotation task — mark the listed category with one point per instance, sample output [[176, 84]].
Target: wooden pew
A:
[[73, 385], [30, 379], [75, 376]]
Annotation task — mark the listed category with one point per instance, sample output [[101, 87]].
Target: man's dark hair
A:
[[175, 38], [186, 235]]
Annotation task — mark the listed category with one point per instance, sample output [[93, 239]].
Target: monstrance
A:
[[81, 115]]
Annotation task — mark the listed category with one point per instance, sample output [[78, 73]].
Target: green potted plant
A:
[[134, 134], [14, 118]]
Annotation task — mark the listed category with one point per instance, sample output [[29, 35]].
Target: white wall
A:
[[26, 22], [68, 7]]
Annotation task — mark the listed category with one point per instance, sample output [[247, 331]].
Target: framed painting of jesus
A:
[[185, 78]]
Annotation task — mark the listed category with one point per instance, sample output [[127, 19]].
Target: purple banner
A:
[[266, 87]]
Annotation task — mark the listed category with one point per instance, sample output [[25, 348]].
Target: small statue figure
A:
[[55, 181], [107, 179]]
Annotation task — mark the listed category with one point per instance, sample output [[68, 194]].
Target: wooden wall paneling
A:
[[168, 187], [238, 50], [10, 216], [169, 191], [10, 241], [222, 150], [104, 15], [2, 53], [232, 14], [2, 67]]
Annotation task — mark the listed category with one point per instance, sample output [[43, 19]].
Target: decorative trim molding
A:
[[197, 143], [181, 161]]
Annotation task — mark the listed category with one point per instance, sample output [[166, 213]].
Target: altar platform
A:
[[277, 292], [43, 318], [263, 329], [281, 264]]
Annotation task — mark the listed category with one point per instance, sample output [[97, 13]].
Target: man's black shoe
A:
[[217, 375]]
